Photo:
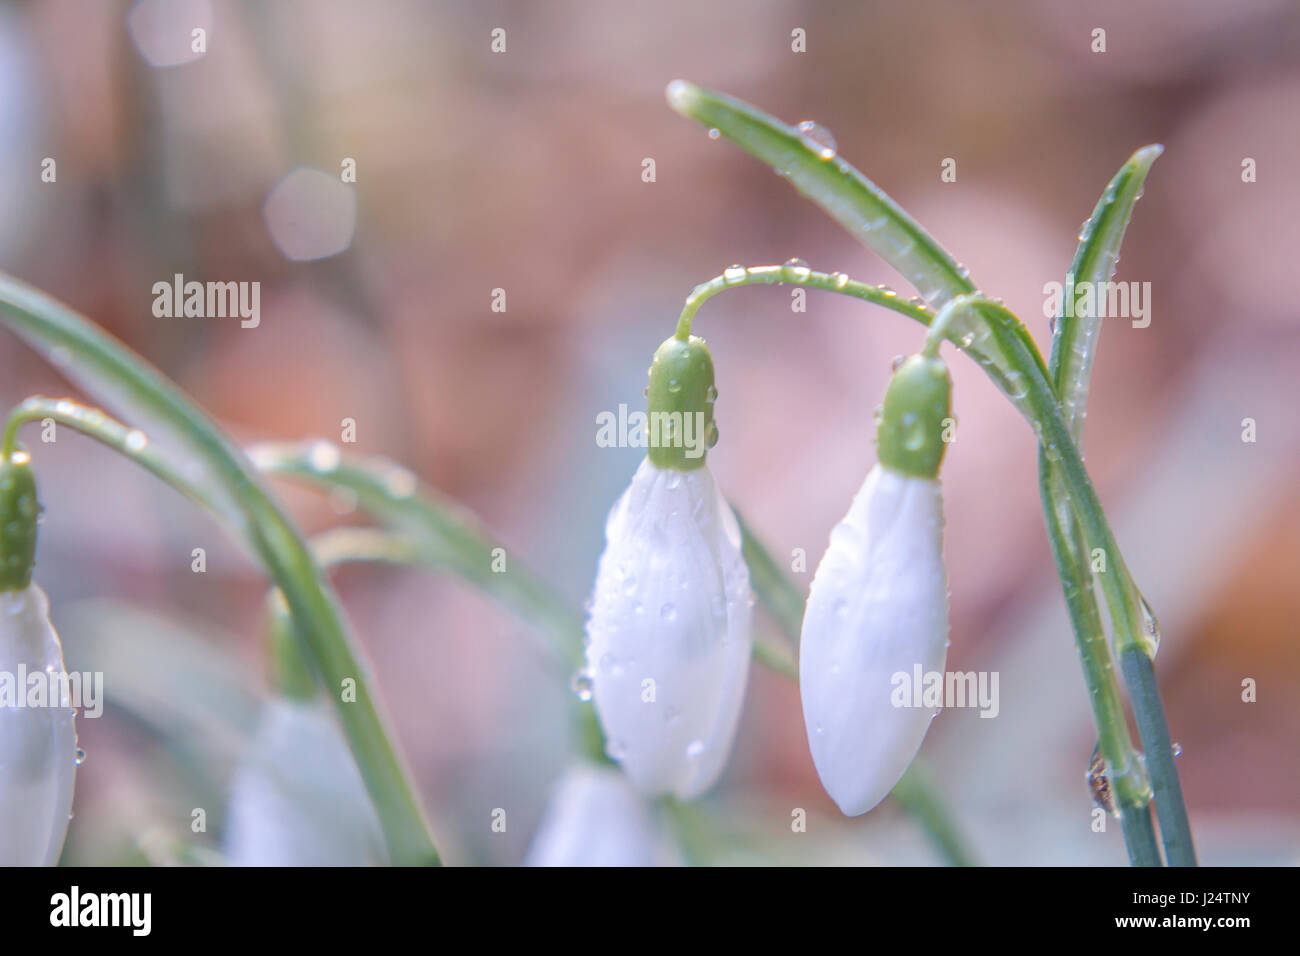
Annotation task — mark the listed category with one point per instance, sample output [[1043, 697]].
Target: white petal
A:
[[878, 606], [297, 798], [669, 631], [596, 818], [38, 745]]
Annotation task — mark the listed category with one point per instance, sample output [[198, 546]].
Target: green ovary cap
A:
[[916, 420], [679, 403], [19, 512]]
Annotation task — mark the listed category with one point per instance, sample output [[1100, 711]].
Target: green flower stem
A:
[[108, 367], [1133, 805], [1149, 714], [1037, 400], [93, 423], [801, 275]]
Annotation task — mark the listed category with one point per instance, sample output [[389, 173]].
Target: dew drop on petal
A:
[[81, 758], [581, 686], [135, 441]]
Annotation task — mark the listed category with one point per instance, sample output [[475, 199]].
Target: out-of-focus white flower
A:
[[878, 606], [668, 637], [297, 798], [38, 744], [595, 817]]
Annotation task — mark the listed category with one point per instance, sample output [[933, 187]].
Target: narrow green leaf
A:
[[445, 533], [1074, 342], [838, 188], [220, 474]]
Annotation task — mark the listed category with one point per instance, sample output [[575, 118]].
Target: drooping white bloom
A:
[[878, 607], [669, 631], [38, 744], [595, 817], [297, 798]]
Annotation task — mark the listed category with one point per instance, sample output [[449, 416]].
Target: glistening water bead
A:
[[818, 138]]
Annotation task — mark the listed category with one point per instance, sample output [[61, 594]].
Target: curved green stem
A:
[[797, 273], [106, 366]]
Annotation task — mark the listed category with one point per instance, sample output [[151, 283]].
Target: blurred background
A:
[[522, 171]]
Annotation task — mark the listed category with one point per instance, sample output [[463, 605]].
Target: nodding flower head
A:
[[596, 817], [668, 636], [38, 740], [296, 797], [878, 605]]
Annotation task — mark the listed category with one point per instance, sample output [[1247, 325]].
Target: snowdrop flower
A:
[[38, 741], [297, 798], [878, 606], [597, 818], [668, 636]]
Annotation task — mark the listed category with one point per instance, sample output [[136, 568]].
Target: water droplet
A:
[[668, 612], [711, 435], [1178, 750], [711, 395], [64, 407], [581, 685], [324, 457], [1150, 628], [695, 749], [817, 138], [135, 441], [840, 279], [674, 386], [400, 483], [714, 133], [733, 273], [897, 362], [797, 270], [81, 758]]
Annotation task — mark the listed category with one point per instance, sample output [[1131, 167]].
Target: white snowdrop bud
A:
[[669, 631], [878, 605], [38, 741], [38, 737], [297, 798], [595, 817]]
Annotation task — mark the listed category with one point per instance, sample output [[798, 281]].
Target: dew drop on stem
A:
[[817, 138]]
